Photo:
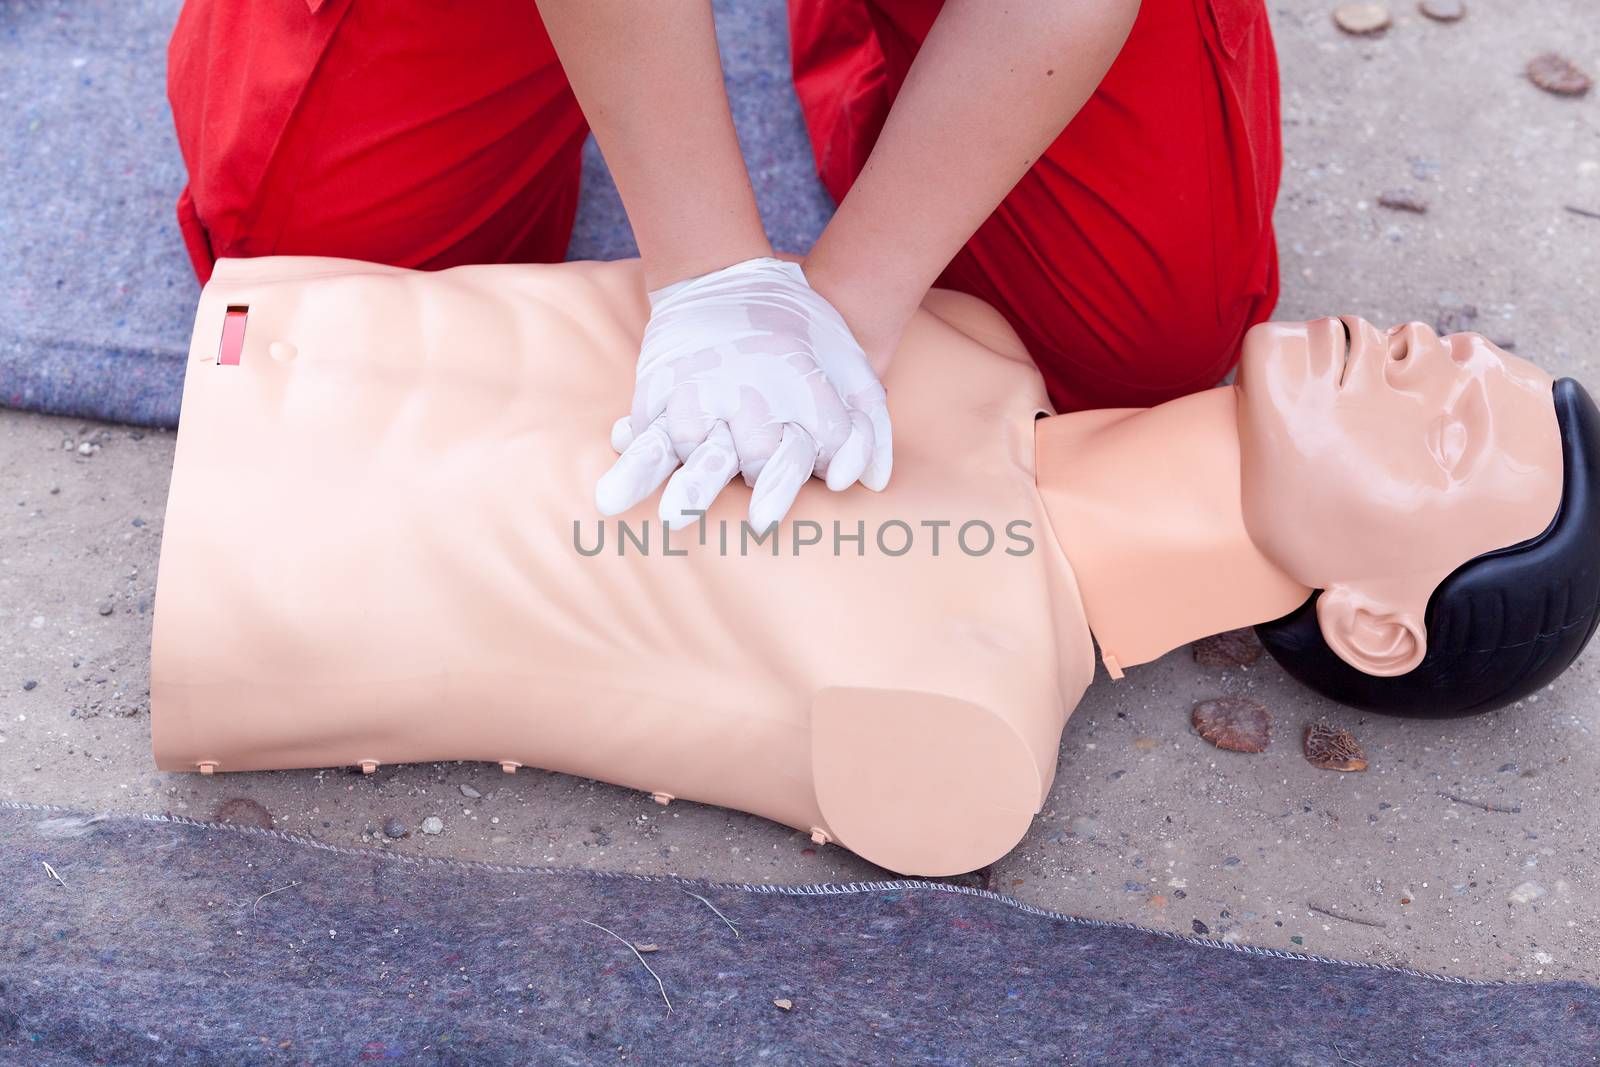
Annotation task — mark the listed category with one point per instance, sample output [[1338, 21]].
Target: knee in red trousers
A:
[[406, 132], [1135, 253]]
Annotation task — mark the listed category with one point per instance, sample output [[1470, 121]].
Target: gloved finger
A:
[[637, 473], [696, 484], [875, 406], [622, 434], [850, 459], [688, 421], [780, 480], [651, 392]]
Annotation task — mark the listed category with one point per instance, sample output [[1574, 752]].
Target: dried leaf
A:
[[1401, 200], [1361, 19], [244, 811], [646, 948], [1443, 10], [1237, 724], [1557, 74], [784, 1003], [1236, 648], [1333, 749]]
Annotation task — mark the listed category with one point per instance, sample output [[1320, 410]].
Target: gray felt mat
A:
[[96, 292], [159, 940]]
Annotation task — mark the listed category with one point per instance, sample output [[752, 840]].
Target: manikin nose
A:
[[1411, 348]]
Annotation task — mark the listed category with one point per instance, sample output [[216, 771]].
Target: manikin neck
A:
[[1146, 506]]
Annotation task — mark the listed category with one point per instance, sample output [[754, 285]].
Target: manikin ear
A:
[[1373, 637]]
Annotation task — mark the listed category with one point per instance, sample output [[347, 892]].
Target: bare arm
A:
[[994, 83], [649, 80]]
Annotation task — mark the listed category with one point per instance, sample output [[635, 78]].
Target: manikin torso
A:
[[370, 556], [381, 546]]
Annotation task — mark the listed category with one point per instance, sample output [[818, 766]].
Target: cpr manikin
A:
[[382, 547]]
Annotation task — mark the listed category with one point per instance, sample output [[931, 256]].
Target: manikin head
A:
[[1439, 495]]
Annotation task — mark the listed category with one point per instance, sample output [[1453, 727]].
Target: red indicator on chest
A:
[[233, 336]]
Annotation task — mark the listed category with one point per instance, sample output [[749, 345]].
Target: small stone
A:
[[138, 522], [1237, 724], [1557, 74], [468, 791], [1543, 959], [1200, 928], [30, 684], [1236, 648], [393, 827], [1401, 200], [245, 812], [86, 449], [107, 608], [55, 490], [432, 825], [1333, 749], [1443, 10], [647, 948], [1526, 893], [783, 1004], [1361, 19]]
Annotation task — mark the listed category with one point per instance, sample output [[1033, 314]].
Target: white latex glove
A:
[[748, 370]]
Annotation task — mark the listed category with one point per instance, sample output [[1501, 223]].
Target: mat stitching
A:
[[822, 889]]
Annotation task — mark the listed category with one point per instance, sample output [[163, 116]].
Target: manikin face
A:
[[1376, 462]]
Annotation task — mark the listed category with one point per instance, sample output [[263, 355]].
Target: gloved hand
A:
[[746, 369]]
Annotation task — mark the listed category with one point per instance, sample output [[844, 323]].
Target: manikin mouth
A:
[[1344, 369]]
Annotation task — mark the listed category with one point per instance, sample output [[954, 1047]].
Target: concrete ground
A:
[[1466, 848]]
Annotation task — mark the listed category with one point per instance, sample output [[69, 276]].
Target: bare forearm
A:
[[992, 86], [649, 80]]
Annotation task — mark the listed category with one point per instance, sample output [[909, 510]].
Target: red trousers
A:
[[1131, 258]]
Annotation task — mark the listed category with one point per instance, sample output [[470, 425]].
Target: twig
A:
[[51, 871], [1330, 913], [1585, 212], [269, 892], [1516, 810], [1343, 1058], [731, 925], [641, 959]]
